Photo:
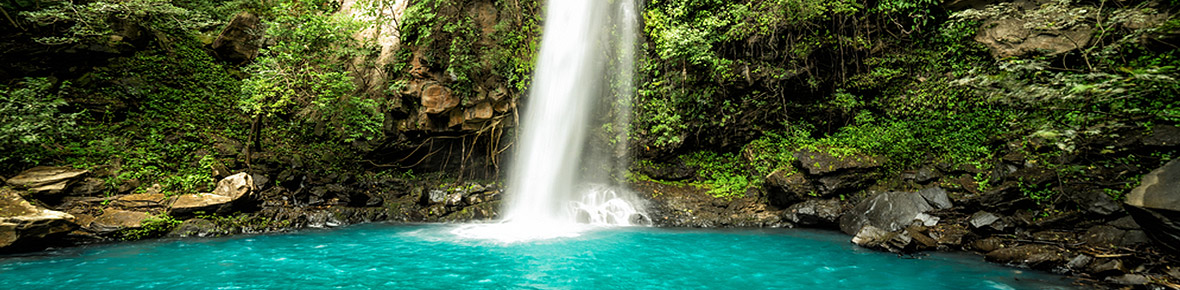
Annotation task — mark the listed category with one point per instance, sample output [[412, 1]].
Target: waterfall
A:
[[555, 188]]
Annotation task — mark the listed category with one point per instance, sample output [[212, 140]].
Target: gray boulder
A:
[[831, 174], [891, 211], [814, 212], [241, 38], [1155, 205]]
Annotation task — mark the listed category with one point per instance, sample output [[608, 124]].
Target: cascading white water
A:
[[548, 196]]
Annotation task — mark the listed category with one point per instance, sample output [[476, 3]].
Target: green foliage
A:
[[724, 175], [241, 222], [306, 73], [917, 13], [179, 99], [30, 121], [446, 38], [1042, 193], [151, 227], [101, 21]]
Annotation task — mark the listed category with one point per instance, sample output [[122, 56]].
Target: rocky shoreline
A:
[[1085, 234], [936, 208]]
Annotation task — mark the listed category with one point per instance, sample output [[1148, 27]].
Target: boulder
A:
[[45, 180], [1096, 202], [230, 191], [195, 228], [1163, 136], [1155, 205], [1107, 268], [113, 220], [1042, 257], [879, 239], [949, 234], [479, 112], [23, 224], [814, 212], [437, 99], [937, 197], [820, 162], [987, 245], [142, 201], [983, 219], [785, 189], [890, 211], [1050, 30], [1129, 279], [1079, 263], [241, 38], [834, 174], [434, 196]]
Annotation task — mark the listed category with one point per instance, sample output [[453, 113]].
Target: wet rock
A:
[[1155, 205], [45, 180], [241, 38], [1096, 202], [1134, 238], [1108, 268], [921, 240], [937, 197], [1103, 236], [988, 245], [1043, 257], [113, 220], [1079, 263], [983, 219], [229, 191], [454, 199], [1125, 223], [434, 196], [1163, 136], [949, 234], [261, 182], [837, 174], [889, 211], [1129, 279], [23, 224], [195, 228], [879, 239], [784, 189], [815, 213]]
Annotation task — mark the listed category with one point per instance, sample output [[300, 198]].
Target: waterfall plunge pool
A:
[[388, 256]]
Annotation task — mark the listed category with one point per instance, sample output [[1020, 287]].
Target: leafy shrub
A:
[[31, 120], [724, 175]]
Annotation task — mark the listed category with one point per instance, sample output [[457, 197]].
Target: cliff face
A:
[[336, 113]]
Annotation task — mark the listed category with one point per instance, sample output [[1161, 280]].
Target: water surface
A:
[[385, 256]]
